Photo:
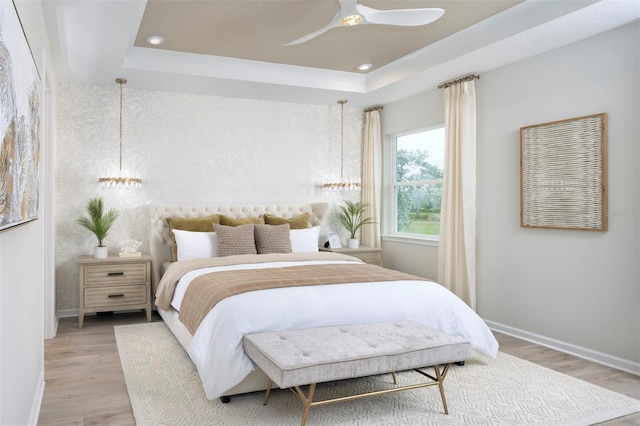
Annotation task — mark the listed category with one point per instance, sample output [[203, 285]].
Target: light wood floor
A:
[[85, 384]]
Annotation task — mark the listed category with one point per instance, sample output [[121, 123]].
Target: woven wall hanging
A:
[[563, 174]]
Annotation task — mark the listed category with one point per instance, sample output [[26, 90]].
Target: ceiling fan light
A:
[[351, 20]]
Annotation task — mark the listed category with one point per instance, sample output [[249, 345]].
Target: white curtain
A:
[[457, 250], [371, 177]]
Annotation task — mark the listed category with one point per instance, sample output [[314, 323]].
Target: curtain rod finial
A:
[[469, 77]]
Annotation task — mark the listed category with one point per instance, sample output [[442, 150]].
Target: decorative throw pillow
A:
[[194, 224], [296, 222], [272, 238], [304, 240], [234, 240], [232, 221], [195, 245]]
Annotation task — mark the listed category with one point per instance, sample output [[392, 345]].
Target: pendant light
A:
[[332, 184], [121, 179]]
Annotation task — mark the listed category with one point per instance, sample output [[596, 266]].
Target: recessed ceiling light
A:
[[364, 67], [155, 40]]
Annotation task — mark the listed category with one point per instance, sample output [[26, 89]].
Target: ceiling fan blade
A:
[[400, 17], [346, 7], [314, 34]]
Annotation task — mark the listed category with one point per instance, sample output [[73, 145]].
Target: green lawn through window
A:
[[425, 227]]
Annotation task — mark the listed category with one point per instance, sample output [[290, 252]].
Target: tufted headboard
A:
[[160, 242]]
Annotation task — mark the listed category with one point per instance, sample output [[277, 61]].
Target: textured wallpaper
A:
[[187, 149]]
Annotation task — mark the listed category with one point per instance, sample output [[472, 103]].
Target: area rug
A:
[[164, 389]]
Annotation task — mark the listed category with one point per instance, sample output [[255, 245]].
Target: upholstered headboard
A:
[[160, 241]]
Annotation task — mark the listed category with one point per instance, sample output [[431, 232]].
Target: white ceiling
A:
[[94, 42]]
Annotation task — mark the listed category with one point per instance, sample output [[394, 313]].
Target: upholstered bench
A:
[[294, 358]]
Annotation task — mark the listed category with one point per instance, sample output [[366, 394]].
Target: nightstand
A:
[[367, 254], [112, 284]]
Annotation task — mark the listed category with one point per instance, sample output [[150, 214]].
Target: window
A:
[[416, 182]]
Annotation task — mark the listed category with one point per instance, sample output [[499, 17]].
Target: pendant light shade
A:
[[341, 184], [122, 178]]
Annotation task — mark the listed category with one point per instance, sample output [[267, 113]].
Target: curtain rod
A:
[[459, 80], [375, 108]]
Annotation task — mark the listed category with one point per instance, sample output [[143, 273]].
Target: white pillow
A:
[[304, 240], [196, 245]]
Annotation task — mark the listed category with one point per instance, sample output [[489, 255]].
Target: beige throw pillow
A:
[[193, 224], [272, 238], [232, 221], [297, 222], [233, 240]]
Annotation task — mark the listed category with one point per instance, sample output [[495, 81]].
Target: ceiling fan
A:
[[351, 13]]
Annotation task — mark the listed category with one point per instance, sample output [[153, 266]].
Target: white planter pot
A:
[[100, 252], [353, 243]]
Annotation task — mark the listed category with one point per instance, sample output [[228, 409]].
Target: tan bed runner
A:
[[169, 281], [207, 290]]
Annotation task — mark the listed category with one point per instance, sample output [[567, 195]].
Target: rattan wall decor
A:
[[563, 174]]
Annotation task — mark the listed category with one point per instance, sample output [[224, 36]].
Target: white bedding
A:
[[216, 348]]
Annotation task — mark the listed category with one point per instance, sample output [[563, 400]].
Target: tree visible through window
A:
[[417, 184]]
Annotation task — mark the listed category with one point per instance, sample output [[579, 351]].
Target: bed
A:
[[327, 288]]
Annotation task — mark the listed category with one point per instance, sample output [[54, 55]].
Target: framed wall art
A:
[[563, 176], [19, 123]]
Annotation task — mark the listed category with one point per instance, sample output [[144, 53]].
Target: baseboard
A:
[[588, 354], [68, 313], [34, 414]]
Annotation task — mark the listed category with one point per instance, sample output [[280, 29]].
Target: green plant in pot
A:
[[99, 222], [352, 217]]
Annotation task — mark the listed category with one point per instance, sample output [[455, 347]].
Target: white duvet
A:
[[216, 348]]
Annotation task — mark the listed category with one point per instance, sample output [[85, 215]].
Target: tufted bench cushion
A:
[[299, 357]]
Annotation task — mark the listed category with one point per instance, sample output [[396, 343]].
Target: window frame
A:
[[389, 232]]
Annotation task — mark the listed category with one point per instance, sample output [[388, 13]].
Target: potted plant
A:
[[352, 216], [99, 223]]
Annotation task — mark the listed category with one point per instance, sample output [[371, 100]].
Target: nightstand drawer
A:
[[115, 296], [114, 283], [369, 255], [372, 258], [115, 274]]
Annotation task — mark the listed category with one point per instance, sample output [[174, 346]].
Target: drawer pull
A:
[[114, 274], [112, 296]]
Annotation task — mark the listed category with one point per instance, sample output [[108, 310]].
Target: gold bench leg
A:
[[266, 397], [306, 401], [439, 379]]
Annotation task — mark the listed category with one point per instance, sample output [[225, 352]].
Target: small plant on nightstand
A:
[[99, 222], [352, 216]]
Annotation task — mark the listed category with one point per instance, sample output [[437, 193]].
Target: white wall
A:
[[22, 283], [576, 290], [21, 323], [188, 149], [574, 286]]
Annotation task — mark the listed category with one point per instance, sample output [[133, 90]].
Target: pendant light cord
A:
[[121, 81], [342, 102]]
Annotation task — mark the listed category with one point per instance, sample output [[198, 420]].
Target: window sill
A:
[[411, 239]]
